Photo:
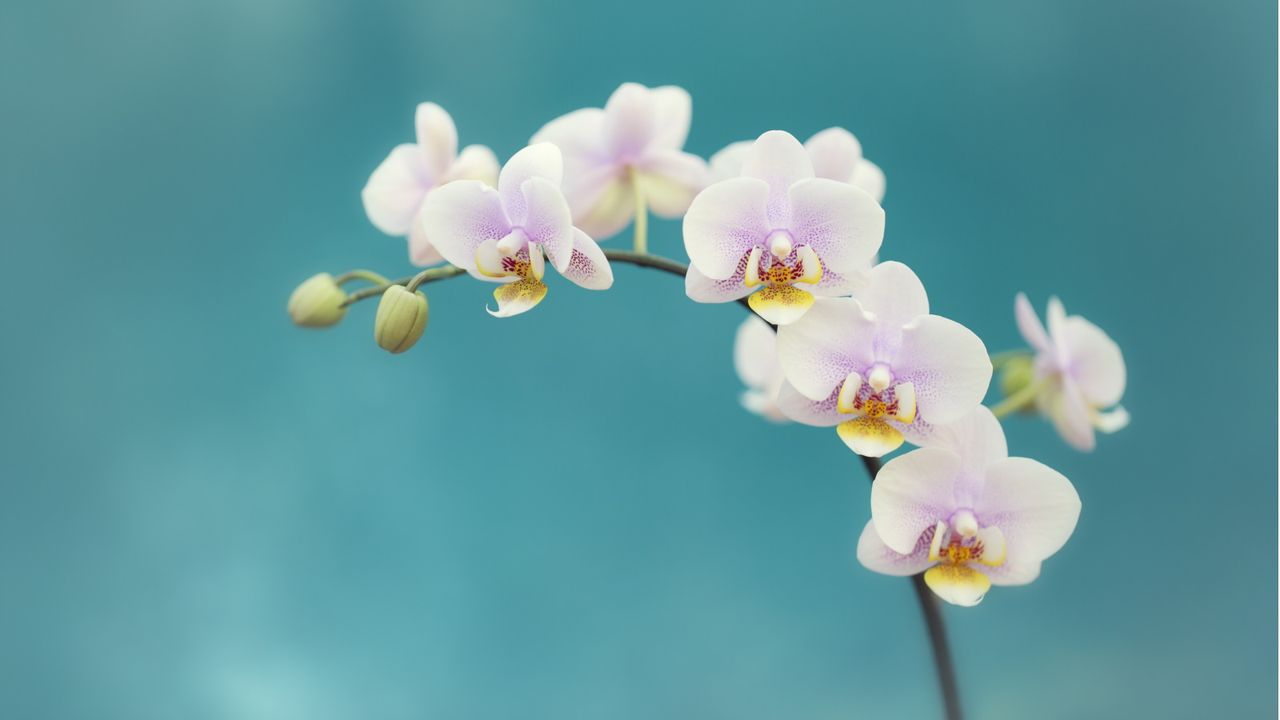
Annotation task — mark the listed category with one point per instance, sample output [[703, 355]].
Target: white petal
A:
[[778, 159], [842, 223], [835, 153], [948, 365], [1114, 421], [588, 266], [421, 252], [978, 439], [1029, 324], [878, 557], [727, 163], [870, 178], [894, 294], [1013, 571], [630, 120], [821, 413], [542, 160], [703, 289], [437, 138], [669, 180], [475, 162], [606, 206], [1034, 506], [1055, 318], [755, 353], [725, 221], [912, 493], [673, 109], [818, 351], [393, 196], [1096, 364], [459, 216], [548, 221], [1070, 414], [577, 134]]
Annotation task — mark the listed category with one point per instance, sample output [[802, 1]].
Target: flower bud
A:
[[1016, 374], [401, 318], [317, 302]]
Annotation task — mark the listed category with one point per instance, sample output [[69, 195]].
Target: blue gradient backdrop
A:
[[206, 513]]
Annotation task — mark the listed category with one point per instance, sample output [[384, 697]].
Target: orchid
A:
[[836, 154], [626, 157], [880, 368], [778, 227], [966, 514], [755, 357], [501, 235], [395, 193], [1079, 371]]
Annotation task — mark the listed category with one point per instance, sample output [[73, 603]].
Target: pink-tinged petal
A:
[[548, 221], [588, 266], [458, 217], [437, 138], [669, 180], [475, 162], [977, 438], [822, 413], [518, 297], [819, 351], [835, 152], [542, 160], [1096, 363], [726, 221], [393, 196], [421, 252], [911, 494], [1029, 324], [878, 557], [703, 289], [894, 294], [781, 304], [843, 224], [1035, 507], [957, 584], [673, 110], [1070, 414], [727, 163], [630, 121], [778, 159], [947, 364], [870, 178], [755, 353]]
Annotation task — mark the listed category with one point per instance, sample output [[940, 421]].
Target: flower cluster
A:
[[839, 339]]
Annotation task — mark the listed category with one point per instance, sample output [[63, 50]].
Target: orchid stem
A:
[[366, 275], [641, 244], [1019, 400], [443, 272]]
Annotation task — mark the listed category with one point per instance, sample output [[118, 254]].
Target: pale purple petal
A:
[[835, 153], [727, 163], [437, 138], [777, 158], [819, 350], [726, 221], [547, 220], [421, 252], [948, 365], [542, 160], [393, 196], [894, 294], [821, 413], [1035, 507], [843, 224], [588, 266], [459, 216], [630, 121], [977, 438], [911, 494], [673, 109], [703, 289], [878, 557], [1029, 324], [1096, 364], [475, 162], [669, 179]]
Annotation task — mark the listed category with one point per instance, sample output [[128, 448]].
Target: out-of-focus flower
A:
[[775, 228], [835, 153], [755, 357], [634, 145], [880, 367], [317, 302], [401, 318], [966, 514], [394, 195], [1082, 371], [501, 235]]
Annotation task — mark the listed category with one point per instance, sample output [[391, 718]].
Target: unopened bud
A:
[[401, 318], [1016, 374], [317, 302]]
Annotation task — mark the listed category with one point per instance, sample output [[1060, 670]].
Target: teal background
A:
[[207, 513]]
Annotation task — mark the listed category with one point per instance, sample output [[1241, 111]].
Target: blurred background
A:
[[208, 513]]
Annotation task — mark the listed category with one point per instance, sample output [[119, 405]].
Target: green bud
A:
[[401, 318], [317, 302], [1016, 374]]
